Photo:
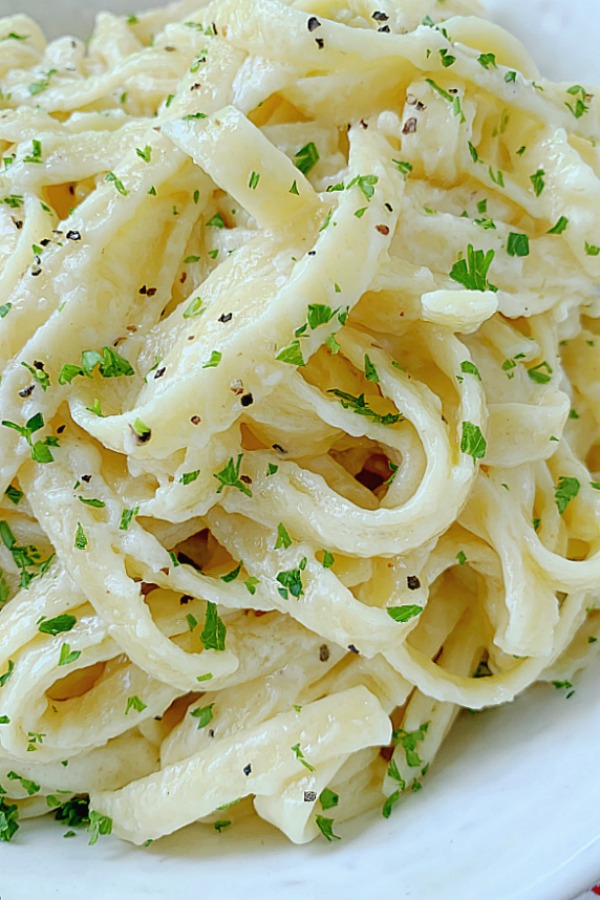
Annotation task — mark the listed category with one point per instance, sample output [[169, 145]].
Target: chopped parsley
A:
[[472, 272], [487, 60], [188, 477], [408, 740], [81, 540], [300, 756], [473, 441], [537, 180], [110, 365], [93, 502], [135, 703], [565, 491], [253, 182], [561, 225], [40, 450], [27, 558], [204, 715], [541, 374], [215, 359], [496, 177], [292, 354], [366, 184], [319, 314], [283, 538], [325, 826], [470, 368], [446, 58], [214, 631], [230, 477], [30, 786], [119, 186], [291, 583], [328, 559], [195, 308], [6, 675], [36, 153], [328, 799], [67, 656], [403, 613], [98, 825], [405, 168], [250, 584], [510, 76], [591, 249], [306, 158], [518, 244], [217, 221], [145, 154], [126, 516], [9, 820], [231, 576], [370, 371], [13, 494], [359, 406], [58, 625]]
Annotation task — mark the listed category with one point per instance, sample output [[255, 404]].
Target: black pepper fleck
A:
[[410, 126], [320, 43], [160, 372], [313, 23], [380, 16], [353, 649], [312, 252], [60, 429], [185, 599], [151, 292], [73, 236], [45, 242], [86, 478], [195, 420], [27, 392], [385, 29], [310, 796], [413, 582], [324, 653], [247, 400], [279, 448], [247, 769], [211, 732], [226, 317], [388, 206]]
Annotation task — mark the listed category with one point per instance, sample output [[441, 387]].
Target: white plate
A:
[[510, 808]]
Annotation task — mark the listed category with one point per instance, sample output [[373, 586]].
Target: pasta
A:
[[300, 405]]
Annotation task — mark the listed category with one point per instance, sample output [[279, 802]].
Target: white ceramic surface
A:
[[510, 807]]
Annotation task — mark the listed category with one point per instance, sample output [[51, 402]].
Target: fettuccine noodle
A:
[[300, 405]]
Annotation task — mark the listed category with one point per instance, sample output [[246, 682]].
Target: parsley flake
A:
[[58, 625], [472, 272], [214, 631], [565, 491], [306, 158], [230, 476], [403, 613], [204, 715], [473, 441]]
